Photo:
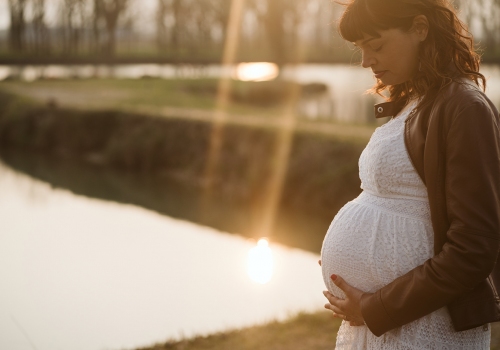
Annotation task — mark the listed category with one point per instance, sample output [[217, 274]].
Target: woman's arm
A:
[[472, 194]]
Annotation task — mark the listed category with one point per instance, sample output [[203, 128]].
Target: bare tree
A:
[[175, 20], [178, 14], [106, 16], [39, 27], [161, 25], [74, 20], [221, 9], [190, 25], [281, 20], [170, 24], [96, 21], [127, 27], [484, 16], [17, 29], [491, 26], [203, 18]]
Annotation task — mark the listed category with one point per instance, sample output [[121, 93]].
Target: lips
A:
[[379, 74]]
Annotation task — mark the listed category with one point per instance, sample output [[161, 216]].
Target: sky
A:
[[4, 14]]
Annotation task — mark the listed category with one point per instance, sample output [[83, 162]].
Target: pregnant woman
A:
[[411, 262]]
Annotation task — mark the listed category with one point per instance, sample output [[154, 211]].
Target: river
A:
[[84, 273]]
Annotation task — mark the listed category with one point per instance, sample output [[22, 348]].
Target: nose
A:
[[367, 60]]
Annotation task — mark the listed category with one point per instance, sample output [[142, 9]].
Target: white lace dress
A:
[[382, 234]]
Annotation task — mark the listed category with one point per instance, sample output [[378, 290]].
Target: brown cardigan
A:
[[454, 145]]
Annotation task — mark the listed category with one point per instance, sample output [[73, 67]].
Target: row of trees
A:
[[80, 22], [271, 29], [484, 17]]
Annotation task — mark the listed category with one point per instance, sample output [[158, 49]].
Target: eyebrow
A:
[[366, 41]]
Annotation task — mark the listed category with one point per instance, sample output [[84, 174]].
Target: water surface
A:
[[82, 273]]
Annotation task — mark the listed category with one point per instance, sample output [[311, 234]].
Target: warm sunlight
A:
[[258, 71], [260, 262]]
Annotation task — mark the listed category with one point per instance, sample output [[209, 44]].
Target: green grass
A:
[[305, 331]]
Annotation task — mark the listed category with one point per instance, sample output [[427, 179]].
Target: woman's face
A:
[[393, 57]]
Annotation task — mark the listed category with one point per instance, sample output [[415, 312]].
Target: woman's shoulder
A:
[[462, 90], [463, 97]]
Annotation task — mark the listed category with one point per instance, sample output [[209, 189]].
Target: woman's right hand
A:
[[351, 323]]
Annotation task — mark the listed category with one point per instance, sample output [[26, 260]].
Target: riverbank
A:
[[306, 331], [253, 104], [321, 176], [153, 94]]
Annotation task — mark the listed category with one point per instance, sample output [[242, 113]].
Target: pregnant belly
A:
[[371, 245]]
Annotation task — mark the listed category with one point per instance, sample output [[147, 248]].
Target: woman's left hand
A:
[[349, 309]]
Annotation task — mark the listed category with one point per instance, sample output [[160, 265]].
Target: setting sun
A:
[[260, 262]]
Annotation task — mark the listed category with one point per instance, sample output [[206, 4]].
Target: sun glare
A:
[[258, 71], [260, 262]]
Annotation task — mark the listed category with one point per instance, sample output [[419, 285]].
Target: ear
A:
[[421, 27]]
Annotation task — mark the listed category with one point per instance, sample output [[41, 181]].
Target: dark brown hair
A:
[[448, 44]]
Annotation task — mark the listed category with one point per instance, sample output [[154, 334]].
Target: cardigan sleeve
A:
[[472, 195]]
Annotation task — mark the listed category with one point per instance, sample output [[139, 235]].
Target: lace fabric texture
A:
[[382, 234]]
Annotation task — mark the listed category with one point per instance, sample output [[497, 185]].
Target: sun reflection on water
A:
[[256, 71], [260, 262]]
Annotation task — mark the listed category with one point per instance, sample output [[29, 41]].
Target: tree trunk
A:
[[40, 30], [161, 28], [176, 30], [17, 29], [112, 10], [96, 34]]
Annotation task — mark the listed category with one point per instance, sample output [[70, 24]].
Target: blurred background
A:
[[189, 31], [168, 168]]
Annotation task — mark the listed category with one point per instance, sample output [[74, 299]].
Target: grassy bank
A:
[[306, 331], [264, 99]]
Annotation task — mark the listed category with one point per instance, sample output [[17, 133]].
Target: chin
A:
[[386, 80], [391, 80]]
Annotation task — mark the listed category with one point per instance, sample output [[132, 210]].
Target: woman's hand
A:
[[348, 309]]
